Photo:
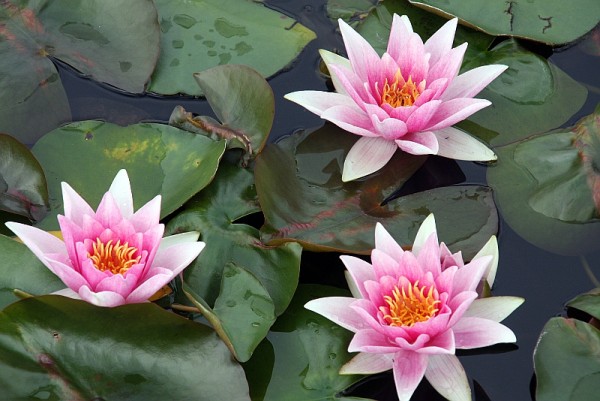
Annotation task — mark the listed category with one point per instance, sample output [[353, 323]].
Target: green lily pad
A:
[[199, 34], [243, 311], [588, 302], [21, 270], [552, 22], [303, 354], [548, 190], [159, 159], [566, 361], [263, 274], [299, 185], [58, 348], [532, 96], [349, 10], [23, 187], [243, 102], [100, 39]]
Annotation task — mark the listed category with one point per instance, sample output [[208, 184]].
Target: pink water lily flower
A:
[[112, 256], [412, 309], [408, 98]]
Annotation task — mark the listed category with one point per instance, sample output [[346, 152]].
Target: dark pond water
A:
[[546, 280]]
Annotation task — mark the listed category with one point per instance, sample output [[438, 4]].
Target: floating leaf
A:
[[243, 311], [303, 355], [349, 10], [299, 185], [23, 187], [243, 102], [58, 348], [548, 188], [259, 270], [566, 361], [199, 34], [588, 302], [552, 22], [22, 270], [158, 158], [100, 39]]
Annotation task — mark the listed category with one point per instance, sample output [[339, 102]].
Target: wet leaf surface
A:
[[552, 22], [23, 187], [51, 348], [200, 34], [159, 160]]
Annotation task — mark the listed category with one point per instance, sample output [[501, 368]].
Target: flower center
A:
[[400, 92], [410, 305], [117, 258]]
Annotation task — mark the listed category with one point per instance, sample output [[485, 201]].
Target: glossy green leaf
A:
[[299, 185], [243, 311], [552, 22], [566, 361], [532, 96], [303, 354], [159, 160], [61, 349], [199, 34], [588, 302], [23, 187], [21, 270], [213, 213], [98, 38], [349, 10], [548, 190]]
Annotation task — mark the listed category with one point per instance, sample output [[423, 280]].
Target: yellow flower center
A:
[[400, 92], [410, 305], [117, 258]]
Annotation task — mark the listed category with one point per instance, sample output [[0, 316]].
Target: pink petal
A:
[[493, 308], [386, 243], [446, 374], [459, 305], [91, 274], [367, 156], [389, 128], [441, 343], [440, 43], [419, 143], [474, 332], [121, 192], [108, 212], [74, 205], [490, 249], [419, 119], [359, 271], [351, 119], [353, 85], [317, 102], [329, 59], [456, 144], [154, 281], [399, 33], [118, 283], [369, 340], [362, 56], [426, 229], [409, 368], [106, 298], [367, 364], [429, 255], [147, 216], [384, 264], [455, 110], [177, 257], [38, 241], [448, 65], [470, 83], [467, 278], [337, 309]]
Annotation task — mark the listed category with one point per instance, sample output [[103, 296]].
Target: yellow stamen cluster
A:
[[117, 258], [410, 305], [400, 92]]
